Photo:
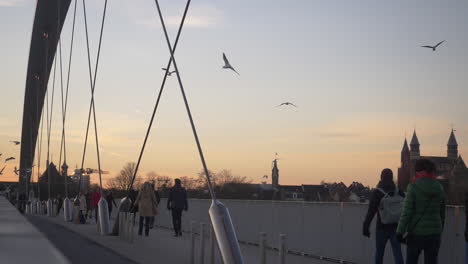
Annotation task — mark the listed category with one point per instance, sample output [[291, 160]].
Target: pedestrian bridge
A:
[[314, 233]]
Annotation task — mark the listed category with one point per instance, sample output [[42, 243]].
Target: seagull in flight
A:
[[10, 158], [287, 103], [433, 47], [169, 73], [15, 142], [1, 171], [227, 65]]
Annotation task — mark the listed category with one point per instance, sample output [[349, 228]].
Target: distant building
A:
[[85, 179], [451, 169]]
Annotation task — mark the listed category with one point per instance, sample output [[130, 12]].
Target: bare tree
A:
[[124, 179], [221, 179], [189, 183]]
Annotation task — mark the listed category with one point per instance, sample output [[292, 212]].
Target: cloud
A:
[[11, 3]]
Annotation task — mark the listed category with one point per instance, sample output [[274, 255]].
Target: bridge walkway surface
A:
[[160, 247]]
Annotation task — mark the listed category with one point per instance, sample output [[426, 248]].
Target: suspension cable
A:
[[93, 84], [205, 168], [158, 98], [65, 103]]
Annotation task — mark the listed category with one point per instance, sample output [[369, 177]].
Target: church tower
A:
[[452, 147], [405, 154], [404, 172], [414, 147], [275, 175]]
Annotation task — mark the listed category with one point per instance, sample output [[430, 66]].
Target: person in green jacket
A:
[[423, 214]]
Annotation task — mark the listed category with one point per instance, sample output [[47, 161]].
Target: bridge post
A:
[[212, 245], [263, 248], [192, 242], [282, 249], [202, 243]]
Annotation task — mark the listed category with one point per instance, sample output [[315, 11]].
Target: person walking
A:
[[158, 199], [95, 202], [59, 203], [386, 201], [110, 200], [89, 212], [83, 209], [423, 216], [177, 202], [147, 206]]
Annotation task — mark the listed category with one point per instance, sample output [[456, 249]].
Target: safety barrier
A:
[[126, 225]]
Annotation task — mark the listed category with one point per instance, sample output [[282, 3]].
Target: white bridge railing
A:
[[320, 230]]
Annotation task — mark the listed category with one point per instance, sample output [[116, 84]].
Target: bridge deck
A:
[[162, 246], [21, 242]]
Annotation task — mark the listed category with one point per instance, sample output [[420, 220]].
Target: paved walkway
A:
[[21, 242], [77, 248], [162, 246]]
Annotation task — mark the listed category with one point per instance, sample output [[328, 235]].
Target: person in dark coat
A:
[[110, 200], [383, 232], [177, 202]]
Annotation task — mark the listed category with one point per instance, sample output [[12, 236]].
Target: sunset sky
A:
[[355, 69]]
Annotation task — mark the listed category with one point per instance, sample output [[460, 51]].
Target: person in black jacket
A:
[[177, 202], [383, 232]]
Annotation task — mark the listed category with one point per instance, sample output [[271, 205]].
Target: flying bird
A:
[[287, 103], [1, 171], [227, 65], [433, 47], [16, 142], [10, 158], [169, 73]]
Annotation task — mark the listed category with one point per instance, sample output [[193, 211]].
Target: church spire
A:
[[415, 153], [452, 146], [405, 153]]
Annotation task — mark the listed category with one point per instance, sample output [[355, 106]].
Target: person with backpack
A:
[[386, 201], [423, 216]]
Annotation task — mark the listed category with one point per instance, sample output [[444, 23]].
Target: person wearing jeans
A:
[[383, 232], [147, 206], [423, 216]]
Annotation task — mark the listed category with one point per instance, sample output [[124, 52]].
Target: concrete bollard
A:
[[120, 219], [67, 210], [212, 246], [103, 217], [263, 248], [192, 242], [130, 226], [202, 243], [282, 249], [50, 207]]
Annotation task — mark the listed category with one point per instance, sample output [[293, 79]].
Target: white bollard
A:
[[67, 210], [225, 233], [131, 224], [282, 249], [50, 207], [103, 217], [120, 219], [212, 246], [192, 242], [202, 243], [263, 248]]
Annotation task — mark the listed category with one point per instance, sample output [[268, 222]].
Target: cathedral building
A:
[[451, 169]]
